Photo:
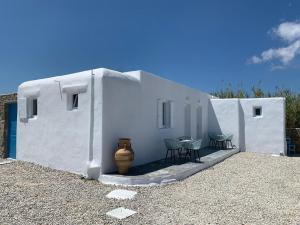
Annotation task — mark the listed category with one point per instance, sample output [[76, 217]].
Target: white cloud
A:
[[289, 32]]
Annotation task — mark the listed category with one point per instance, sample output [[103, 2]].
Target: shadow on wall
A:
[[213, 123], [229, 118], [242, 138]]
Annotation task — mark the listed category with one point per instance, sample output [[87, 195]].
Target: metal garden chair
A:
[[172, 146], [228, 140], [193, 146], [220, 141], [212, 139], [290, 146]]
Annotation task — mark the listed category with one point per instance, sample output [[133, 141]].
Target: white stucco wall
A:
[[130, 110], [84, 140], [263, 134], [224, 118], [113, 105], [57, 138]]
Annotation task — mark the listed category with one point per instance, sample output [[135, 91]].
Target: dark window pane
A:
[[75, 101], [164, 114], [34, 107], [257, 111]]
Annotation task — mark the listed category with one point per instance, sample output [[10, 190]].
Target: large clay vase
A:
[[124, 155]]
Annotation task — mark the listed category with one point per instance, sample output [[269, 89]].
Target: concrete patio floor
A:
[[164, 172]]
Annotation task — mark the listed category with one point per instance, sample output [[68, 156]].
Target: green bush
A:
[[292, 100]]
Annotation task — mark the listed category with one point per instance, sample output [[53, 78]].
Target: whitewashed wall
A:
[[224, 118], [263, 134], [57, 138], [113, 105], [130, 110], [120, 105]]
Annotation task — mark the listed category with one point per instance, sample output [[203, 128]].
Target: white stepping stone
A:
[[121, 194], [120, 213]]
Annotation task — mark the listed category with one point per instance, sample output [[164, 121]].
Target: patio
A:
[[164, 172]]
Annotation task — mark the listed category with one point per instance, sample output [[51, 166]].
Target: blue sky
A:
[[203, 44]]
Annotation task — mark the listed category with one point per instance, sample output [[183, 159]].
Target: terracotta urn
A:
[[124, 155]]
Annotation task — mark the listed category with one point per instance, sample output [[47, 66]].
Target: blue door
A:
[[12, 131]]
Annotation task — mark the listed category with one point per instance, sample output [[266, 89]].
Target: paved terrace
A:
[[162, 172]]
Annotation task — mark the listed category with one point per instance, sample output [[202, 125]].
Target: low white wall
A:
[[262, 134], [265, 134]]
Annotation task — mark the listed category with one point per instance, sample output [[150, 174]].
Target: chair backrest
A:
[[220, 137], [229, 137], [171, 143], [195, 145]]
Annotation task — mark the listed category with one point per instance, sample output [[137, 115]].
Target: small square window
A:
[[257, 111]]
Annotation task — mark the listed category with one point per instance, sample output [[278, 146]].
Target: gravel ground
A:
[[244, 189]]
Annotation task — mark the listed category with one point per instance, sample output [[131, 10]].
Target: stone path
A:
[[164, 172], [121, 212], [121, 194]]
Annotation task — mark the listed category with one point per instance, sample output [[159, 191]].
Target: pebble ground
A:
[[246, 188]]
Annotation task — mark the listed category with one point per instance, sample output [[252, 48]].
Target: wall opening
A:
[[32, 107], [257, 111], [72, 102]]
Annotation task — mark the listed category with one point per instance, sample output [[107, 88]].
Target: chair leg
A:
[[167, 155], [188, 153], [198, 155], [172, 155]]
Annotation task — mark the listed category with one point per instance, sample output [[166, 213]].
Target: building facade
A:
[[73, 122]]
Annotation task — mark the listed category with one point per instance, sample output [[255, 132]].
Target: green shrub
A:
[[292, 100]]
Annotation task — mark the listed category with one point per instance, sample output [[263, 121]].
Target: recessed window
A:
[[32, 107], [257, 111], [75, 101], [165, 114], [72, 102]]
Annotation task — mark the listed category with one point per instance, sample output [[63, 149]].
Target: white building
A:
[[73, 122]]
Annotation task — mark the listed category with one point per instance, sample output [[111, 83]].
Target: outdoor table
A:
[[184, 142]]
